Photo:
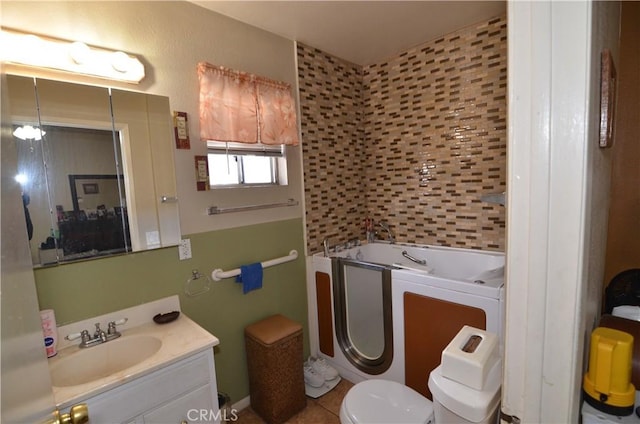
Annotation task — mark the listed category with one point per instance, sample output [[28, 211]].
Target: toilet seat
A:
[[384, 401]]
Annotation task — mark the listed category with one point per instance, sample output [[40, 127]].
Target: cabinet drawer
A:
[[188, 408], [136, 397]]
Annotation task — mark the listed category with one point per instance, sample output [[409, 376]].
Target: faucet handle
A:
[[84, 335], [74, 336], [112, 325], [120, 321]]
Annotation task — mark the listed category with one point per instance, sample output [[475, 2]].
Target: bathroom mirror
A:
[[96, 168]]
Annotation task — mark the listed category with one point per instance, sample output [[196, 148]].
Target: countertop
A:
[[180, 339]]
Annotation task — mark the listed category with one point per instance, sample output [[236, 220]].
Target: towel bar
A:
[[219, 274], [215, 210]]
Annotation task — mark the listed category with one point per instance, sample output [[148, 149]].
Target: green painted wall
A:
[[86, 289]]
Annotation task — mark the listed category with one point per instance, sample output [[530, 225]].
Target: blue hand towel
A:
[[250, 277]]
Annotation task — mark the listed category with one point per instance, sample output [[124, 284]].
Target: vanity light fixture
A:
[[34, 51]]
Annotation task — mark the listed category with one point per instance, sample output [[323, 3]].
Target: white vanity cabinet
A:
[[182, 392], [176, 383]]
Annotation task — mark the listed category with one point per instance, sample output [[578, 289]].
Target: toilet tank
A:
[[456, 403]]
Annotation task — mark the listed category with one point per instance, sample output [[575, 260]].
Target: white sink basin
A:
[[101, 361]]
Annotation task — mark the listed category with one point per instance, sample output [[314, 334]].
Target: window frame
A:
[[276, 153]]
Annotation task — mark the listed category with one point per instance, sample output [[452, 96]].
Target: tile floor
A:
[[324, 410]]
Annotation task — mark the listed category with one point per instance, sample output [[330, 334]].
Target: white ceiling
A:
[[362, 32]]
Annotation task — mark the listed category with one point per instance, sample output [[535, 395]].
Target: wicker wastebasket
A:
[[274, 360]]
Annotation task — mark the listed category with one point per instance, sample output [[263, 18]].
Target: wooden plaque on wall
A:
[[607, 98]]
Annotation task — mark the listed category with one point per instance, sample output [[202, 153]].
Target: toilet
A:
[[385, 402], [456, 403]]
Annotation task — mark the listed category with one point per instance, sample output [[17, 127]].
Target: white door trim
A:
[[549, 61]]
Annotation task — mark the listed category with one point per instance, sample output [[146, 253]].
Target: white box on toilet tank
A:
[[470, 356]]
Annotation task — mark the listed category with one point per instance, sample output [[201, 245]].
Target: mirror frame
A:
[[146, 140]]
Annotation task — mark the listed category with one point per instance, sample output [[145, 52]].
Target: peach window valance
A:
[[241, 107]]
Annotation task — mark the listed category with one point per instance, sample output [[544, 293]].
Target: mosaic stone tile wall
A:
[[332, 146], [433, 124]]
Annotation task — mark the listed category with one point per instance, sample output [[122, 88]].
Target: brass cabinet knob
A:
[[78, 414]]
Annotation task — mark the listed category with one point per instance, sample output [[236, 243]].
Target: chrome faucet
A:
[[354, 242], [99, 336], [325, 246], [390, 236]]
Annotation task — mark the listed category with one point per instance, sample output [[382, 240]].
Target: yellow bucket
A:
[[607, 383]]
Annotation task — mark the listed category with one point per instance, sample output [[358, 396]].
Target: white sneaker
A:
[[320, 366], [311, 377]]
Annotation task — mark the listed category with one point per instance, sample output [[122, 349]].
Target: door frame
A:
[[548, 74]]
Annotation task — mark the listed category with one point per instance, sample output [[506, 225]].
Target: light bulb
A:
[[120, 62], [21, 179], [27, 132], [79, 52]]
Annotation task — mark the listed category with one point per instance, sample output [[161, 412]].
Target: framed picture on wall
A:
[[607, 98], [181, 130], [202, 173], [90, 188]]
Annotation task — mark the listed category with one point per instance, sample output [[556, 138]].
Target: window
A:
[[242, 165], [246, 121]]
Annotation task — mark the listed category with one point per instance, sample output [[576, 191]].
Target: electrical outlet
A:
[[153, 239], [184, 249]]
